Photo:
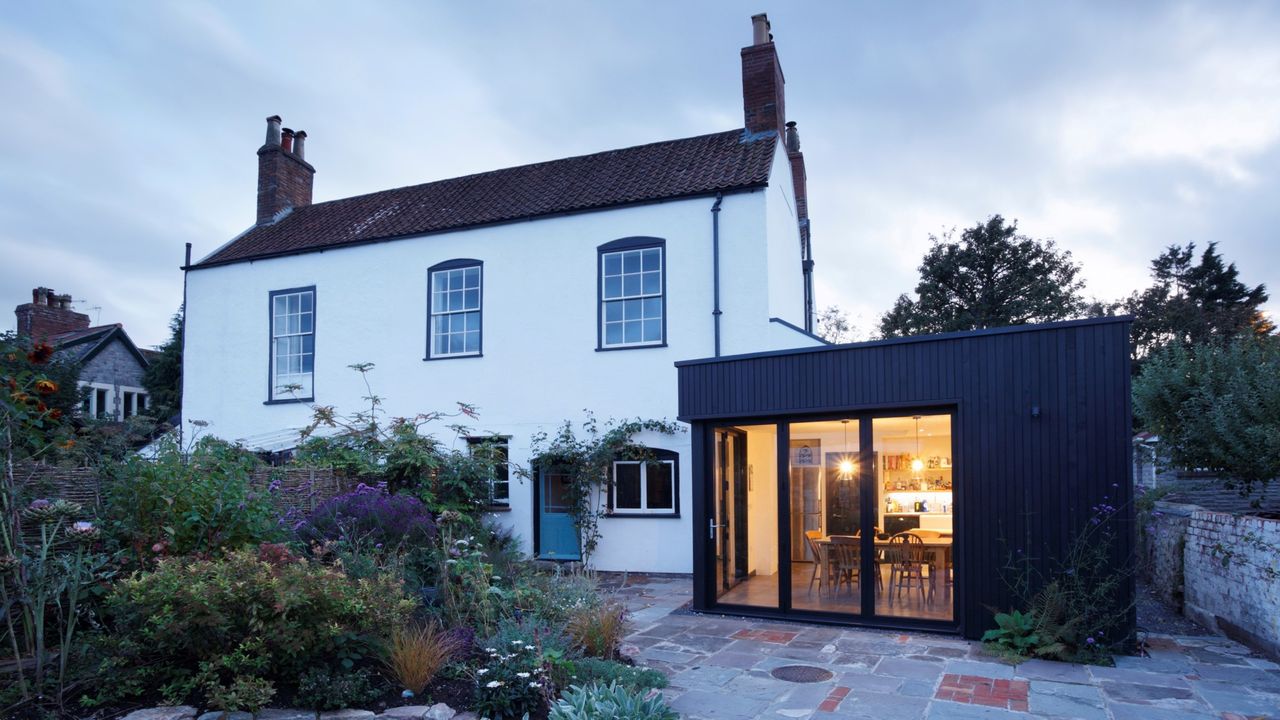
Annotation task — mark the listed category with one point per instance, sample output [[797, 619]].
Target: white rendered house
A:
[[533, 293]]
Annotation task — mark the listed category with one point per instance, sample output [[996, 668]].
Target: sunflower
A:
[[46, 387]]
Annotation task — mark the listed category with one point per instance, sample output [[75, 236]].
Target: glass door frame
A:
[[868, 503]]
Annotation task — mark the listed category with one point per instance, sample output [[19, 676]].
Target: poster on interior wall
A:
[[806, 452]]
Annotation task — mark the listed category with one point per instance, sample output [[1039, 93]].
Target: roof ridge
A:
[[740, 131]]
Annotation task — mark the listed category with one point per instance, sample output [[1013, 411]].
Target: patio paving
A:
[[720, 667]]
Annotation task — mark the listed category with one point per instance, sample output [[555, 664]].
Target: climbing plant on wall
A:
[[585, 457]]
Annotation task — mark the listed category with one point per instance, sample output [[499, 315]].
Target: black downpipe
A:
[[715, 266]]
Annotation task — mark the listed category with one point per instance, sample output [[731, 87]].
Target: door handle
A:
[[711, 529]]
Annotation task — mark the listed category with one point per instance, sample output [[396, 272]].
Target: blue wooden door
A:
[[557, 536]]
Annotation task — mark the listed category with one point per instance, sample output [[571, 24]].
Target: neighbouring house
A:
[[111, 365], [596, 283]]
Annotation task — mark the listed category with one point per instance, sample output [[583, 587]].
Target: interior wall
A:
[[762, 499]]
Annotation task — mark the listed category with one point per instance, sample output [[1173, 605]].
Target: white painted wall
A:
[[762, 500], [786, 282], [540, 365]]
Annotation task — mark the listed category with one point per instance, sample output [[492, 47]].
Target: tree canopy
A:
[[163, 378], [991, 276], [1192, 303], [1216, 407]]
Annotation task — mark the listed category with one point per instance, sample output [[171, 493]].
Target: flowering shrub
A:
[[512, 681], [180, 503], [370, 517], [273, 620]]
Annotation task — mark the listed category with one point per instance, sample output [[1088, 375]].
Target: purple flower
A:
[[1090, 640]]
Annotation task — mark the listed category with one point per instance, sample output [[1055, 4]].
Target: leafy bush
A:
[[1014, 632], [554, 597], [180, 504], [1216, 407], [417, 652], [598, 631], [321, 689], [241, 616], [610, 702], [244, 693], [370, 517], [594, 670]]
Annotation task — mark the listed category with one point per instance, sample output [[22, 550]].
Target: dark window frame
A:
[[271, 344], [455, 264], [654, 455], [637, 242]]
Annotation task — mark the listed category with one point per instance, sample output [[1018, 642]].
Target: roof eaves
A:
[[203, 264]]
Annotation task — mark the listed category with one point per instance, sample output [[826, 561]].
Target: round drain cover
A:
[[801, 673]]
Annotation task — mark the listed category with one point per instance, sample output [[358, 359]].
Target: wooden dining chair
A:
[[846, 561], [906, 558], [811, 538]]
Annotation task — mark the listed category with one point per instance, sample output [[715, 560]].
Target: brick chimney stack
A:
[[48, 314], [764, 110], [284, 178], [762, 82]]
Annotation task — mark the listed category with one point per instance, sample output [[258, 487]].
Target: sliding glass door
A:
[[863, 505]]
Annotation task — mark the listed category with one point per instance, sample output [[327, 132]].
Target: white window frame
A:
[[621, 298], [129, 400], [441, 276], [505, 443], [277, 381], [644, 509], [92, 400]]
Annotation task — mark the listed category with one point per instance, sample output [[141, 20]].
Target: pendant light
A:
[[846, 467], [917, 465]]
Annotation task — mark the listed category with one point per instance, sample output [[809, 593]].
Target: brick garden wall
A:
[[1232, 576]]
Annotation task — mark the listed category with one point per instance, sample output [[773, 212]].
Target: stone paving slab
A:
[[720, 668]]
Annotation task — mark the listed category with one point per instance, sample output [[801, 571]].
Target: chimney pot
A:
[[273, 131], [793, 137], [299, 144], [760, 29], [286, 139]]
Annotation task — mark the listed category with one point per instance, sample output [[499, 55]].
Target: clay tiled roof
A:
[[703, 165]]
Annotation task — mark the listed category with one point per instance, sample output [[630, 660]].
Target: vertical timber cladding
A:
[[1042, 429]]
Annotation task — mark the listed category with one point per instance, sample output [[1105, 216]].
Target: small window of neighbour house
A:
[[495, 452], [632, 293], [455, 299], [126, 406], [293, 317], [646, 486]]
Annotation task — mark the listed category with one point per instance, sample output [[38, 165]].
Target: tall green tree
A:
[[991, 276], [163, 378], [1216, 406], [1191, 303]]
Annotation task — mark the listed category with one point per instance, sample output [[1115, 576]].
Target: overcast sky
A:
[[130, 128]]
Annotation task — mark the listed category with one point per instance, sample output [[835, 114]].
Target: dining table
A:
[[938, 549]]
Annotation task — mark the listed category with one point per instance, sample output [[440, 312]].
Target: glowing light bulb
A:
[[846, 467], [917, 465]]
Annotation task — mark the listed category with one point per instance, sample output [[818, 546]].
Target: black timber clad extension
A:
[[1041, 429]]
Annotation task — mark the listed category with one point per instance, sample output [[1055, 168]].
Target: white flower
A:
[[497, 577], [494, 684], [491, 650], [517, 642], [535, 684], [482, 671], [522, 675]]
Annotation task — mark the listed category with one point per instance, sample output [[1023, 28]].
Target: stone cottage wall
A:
[[1232, 576]]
